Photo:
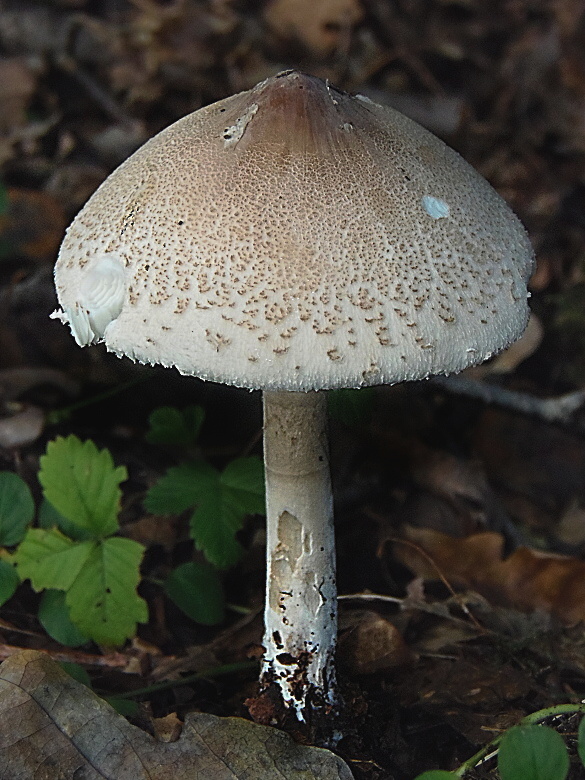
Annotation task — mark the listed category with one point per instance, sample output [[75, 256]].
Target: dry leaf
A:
[[34, 224], [17, 86], [169, 728], [508, 360], [321, 25], [55, 728], [370, 643], [527, 579]]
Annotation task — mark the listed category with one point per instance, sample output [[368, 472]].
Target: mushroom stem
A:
[[301, 595]]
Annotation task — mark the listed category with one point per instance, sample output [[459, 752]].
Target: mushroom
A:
[[294, 238]]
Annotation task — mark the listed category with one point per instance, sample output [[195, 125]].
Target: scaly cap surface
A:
[[296, 237]]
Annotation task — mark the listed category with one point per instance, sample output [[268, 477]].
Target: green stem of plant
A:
[[238, 609], [206, 674], [58, 415], [534, 717]]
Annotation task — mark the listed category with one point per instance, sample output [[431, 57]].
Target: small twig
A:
[[95, 91], [109, 660], [424, 554], [371, 597], [422, 606], [58, 415], [559, 410], [206, 674]]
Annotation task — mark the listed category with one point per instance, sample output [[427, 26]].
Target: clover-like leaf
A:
[[197, 590], [49, 559], [102, 601], [9, 581], [221, 502], [181, 488], [83, 484], [54, 617], [169, 425], [100, 578], [17, 508]]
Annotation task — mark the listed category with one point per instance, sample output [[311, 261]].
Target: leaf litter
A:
[[50, 722]]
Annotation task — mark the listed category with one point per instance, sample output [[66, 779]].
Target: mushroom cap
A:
[[296, 237]]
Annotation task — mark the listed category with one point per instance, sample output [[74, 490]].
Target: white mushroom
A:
[[293, 238]]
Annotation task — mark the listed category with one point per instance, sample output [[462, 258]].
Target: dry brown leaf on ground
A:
[[54, 727], [537, 467], [527, 579], [323, 26], [508, 360], [33, 225], [369, 643]]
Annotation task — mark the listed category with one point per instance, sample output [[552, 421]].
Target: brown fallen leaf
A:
[[527, 579], [321, 25], [53, 727], [169, 728], [508, 360], [17, 86], [34, 224], [370, 643]]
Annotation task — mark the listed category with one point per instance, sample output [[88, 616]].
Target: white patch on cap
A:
[[231, 135], [100, 300], [435, 207]]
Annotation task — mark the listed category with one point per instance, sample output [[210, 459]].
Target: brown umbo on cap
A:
[[295, 237]]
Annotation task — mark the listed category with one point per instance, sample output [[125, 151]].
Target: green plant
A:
[[219, 502], [88, 574], [180, 427], [16, 513], [527, 751], [77, 552]]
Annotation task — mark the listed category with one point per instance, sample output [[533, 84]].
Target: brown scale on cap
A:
[[296, 237]]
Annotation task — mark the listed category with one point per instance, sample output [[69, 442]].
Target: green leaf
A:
[[9, 581], [197, 590], [172, 426], [437, 774], [181, 488], [82, 483], [214, 525], [124, 707], [51, 560], [243, 480], [103, 602], [221, 500], [54, 618], [49, 517], [17, 508], [581, 741], [99, 577], [77, 672], [533, 753]]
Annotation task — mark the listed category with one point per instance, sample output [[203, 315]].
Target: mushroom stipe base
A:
[[301, 595]]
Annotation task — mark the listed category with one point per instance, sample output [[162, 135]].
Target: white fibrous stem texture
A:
[[301, 594]]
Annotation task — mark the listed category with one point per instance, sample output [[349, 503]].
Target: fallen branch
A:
[[559, 410]]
